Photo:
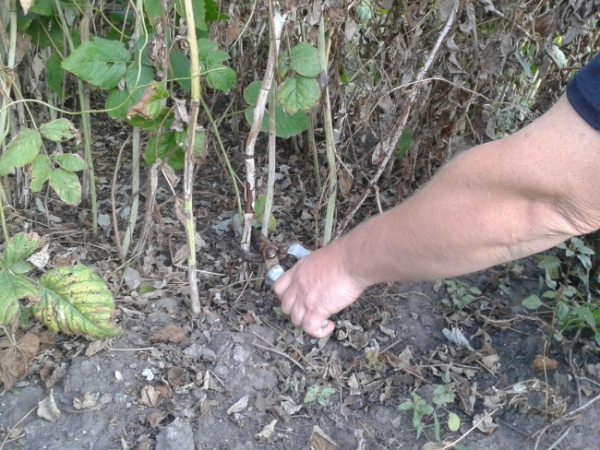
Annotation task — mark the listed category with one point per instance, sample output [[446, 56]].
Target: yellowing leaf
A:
[[74, 300]]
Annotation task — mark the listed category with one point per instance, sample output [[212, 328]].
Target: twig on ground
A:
[[279, 353]]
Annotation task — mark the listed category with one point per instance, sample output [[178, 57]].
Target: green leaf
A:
[[67, 186], [298, 93], [180, 68], [57, 130], [152, 104], [74, 300], [532, 302], [436, 428], [562, 310], [404, 143], [324, 394], [70, 162], [205, 46], [549, 262], [153, 8], [42, 7], [212, 12], [304, 60], [55, 74], [311, 394], [406, 406], [20, 247], [453, 422], [215, 57], [41, 168], [222, 78], [198, 10], [45, 32], [99, 62], [138, 77], [118, 103], [166, 144], [20, 151], [13, 288], [287, 126]]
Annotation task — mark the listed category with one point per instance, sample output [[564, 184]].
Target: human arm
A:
[[494, 203]]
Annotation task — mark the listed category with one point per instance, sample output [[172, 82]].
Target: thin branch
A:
[[386, 148]]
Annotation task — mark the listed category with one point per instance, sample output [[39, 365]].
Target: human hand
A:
[[318, 286]]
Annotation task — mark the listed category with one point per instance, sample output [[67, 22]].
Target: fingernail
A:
[[324, 323]]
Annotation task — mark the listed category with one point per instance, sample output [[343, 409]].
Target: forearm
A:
[[495, 203]]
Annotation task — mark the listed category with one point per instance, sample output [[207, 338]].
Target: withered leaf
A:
[[149, 396], [176, 376], [15, 360], [543, 364], [267, 431], [320, 441], [155, 417], [171, 333]]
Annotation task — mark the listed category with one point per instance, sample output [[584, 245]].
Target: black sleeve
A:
[[584, 92]]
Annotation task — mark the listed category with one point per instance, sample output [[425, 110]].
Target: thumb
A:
[[319, 329]]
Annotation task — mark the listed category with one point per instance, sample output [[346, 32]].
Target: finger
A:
[[282, 284], [323, 329]]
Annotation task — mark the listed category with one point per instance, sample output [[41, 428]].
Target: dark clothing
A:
[[584, 92]]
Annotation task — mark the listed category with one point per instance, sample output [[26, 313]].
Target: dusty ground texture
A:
[[242, 377]]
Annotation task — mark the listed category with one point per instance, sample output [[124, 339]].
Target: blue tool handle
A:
[[276, 271]]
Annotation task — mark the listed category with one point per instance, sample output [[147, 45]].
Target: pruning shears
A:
[[278, 258]]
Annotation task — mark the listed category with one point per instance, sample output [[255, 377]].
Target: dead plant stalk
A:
[[388, 146], [278, 22], [188, 176]]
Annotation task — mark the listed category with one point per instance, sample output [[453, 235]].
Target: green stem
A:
[[2, 218], [330, 143], [85, 120]]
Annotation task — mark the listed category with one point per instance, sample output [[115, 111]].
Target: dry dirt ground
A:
[[242, 377]]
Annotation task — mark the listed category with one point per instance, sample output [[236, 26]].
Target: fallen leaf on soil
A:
[[491, 362], [320, 441], [95, 347], [543, 364], [164, 391], [149, 396], [47, 408], [238, 406], [15, 360], [266, 431], [176, 376], [88, 401], [155, 417], [171, 333], [487, 425]]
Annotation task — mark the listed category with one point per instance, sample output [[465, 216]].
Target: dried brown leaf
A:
[[149, 396], [15, 360], [267, 431], [48, 410], [320, 441], [176, 376], [87, 401], [140, 108], [171, 333], [155, 417], [543, 364]]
